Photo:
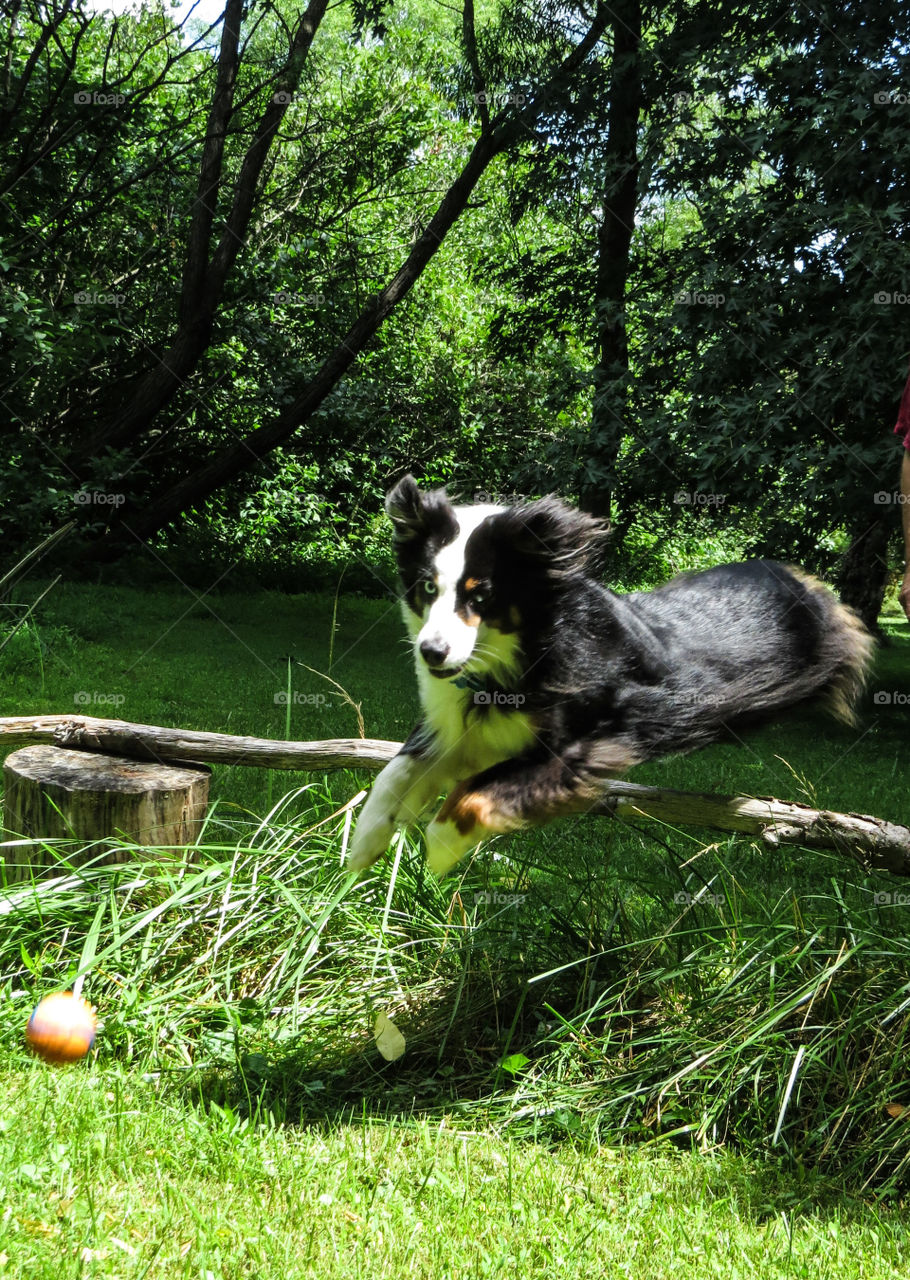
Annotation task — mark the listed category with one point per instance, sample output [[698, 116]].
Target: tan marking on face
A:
[[468, 617], [471, 584]]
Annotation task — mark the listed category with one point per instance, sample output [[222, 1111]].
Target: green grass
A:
[[106, 1177], [594, 1068]]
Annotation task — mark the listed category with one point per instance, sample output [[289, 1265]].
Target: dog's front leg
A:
[[522, 792], [405, 787]]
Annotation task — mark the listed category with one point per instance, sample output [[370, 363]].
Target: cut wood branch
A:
[[151, 742], [878, 843], [875, 841]]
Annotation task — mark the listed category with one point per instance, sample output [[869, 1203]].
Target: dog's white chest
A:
[[471, 731]]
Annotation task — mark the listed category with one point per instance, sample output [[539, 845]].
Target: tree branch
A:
[[205, 273], [151, 742], [210, 168], [504, 129], [469, 39]]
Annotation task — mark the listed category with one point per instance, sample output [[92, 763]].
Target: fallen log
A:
[[151, 742], [881, 844], [876, 842]]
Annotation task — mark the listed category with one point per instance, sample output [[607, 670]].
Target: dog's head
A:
[[473, 576]]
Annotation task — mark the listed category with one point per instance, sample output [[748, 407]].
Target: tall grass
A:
[[583, 982], [253, 971]]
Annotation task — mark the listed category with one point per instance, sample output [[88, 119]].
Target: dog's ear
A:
[[555, 536], [404, 507], [416, 514]]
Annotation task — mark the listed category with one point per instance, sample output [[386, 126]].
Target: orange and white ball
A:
[[62, 1028]]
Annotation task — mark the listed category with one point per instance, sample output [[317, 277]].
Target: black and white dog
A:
[[537, 683]]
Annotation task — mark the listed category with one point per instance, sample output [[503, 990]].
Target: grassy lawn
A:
[[104, 1177], [604, 1073]]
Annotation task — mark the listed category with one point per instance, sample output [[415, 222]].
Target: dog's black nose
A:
[[434, 653]]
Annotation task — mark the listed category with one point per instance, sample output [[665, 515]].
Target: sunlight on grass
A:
[[106, 1177], [572, 1002]]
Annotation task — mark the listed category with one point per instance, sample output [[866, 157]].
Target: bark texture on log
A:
[[52, 794], [881, 844], [151, 742]]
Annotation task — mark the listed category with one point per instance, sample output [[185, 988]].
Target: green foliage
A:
[[763, 372]]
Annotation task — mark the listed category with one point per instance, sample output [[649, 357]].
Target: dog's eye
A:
[[430, 589], [479, 598]]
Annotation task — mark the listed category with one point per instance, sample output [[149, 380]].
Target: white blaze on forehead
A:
[[449, 562], [442, 624]]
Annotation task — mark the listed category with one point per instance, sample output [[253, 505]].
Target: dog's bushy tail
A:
[[847, 649]]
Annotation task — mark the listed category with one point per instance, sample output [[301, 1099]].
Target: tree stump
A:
[[52, 793]]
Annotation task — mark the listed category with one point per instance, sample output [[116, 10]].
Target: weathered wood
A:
[[51, 793], [879, 843], [151, 742]]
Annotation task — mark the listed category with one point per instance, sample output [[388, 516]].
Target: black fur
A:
[[665, 670], [423, 523], [609, 680]]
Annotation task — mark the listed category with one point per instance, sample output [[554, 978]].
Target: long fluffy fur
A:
[[566, 682]]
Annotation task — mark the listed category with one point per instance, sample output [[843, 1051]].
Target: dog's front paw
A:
[[371, 838], [446, 846]]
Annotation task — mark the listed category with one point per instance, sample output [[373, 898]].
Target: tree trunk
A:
[[54, 794], [863, 574], [614, 239]]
